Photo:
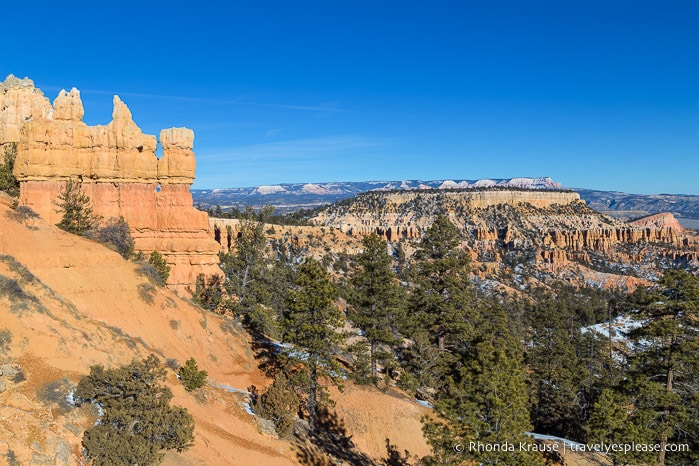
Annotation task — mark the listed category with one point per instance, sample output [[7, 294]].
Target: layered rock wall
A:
[[555, 227], [117, 168]]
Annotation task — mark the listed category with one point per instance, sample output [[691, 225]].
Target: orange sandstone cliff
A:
[[118, 169]]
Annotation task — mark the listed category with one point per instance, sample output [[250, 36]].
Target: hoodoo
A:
[[118, 169]]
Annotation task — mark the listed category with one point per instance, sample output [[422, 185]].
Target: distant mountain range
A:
[[295, 196]]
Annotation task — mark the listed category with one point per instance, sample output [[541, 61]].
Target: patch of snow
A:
[[248, 408], [568, 443], [228, 388], [621, 326], [484, 183], [425, 403], [451, 184], [264, 190]]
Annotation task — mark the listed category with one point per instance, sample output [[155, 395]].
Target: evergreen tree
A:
[[8, 182], [137, 421], [616, 420], [310, 324], [666, 363], [376, 298], [245, 264], [657, 401], [441, 302], [279, 404], [485, 401], [78, 216], [555, 371], [190, 375], [160, 264]]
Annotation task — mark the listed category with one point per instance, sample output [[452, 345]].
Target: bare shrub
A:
[[116, 234]]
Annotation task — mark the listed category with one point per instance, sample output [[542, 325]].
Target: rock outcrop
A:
[[553, 228], [117, 168]]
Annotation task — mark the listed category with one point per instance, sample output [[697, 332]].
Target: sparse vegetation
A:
[[8, 182], [12, 459], [190, 375], [21, 214], [19, 377], [5, 340], [137, 421], [146, 292], [279, 404], [116, 234], [56, 392], [173, 364], [158, 262], [78, 216]]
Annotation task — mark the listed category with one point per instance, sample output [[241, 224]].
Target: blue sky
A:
[[596, 94]]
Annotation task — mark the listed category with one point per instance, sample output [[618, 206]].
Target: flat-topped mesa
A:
[[118, 169], [555, 226], [400, 214]]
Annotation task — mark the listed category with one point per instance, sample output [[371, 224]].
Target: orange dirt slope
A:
[[82, 304]]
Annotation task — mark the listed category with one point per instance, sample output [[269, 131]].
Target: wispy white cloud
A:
[[328, 107], [244, 100], [299, 150], [272, 133]]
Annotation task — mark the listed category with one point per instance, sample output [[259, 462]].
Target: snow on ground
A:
[[621, 326]]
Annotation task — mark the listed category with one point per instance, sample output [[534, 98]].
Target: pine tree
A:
[[245, 264], [376, 298], [616, 420], [555, 371], [190, 375], [311, 324], [8, 182], [666, 364], [78, 216], [441, 302], [160, 264], [486, 401]]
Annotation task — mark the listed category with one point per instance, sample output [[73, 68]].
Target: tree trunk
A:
[[666, 412], [312, 403], [372, 356]]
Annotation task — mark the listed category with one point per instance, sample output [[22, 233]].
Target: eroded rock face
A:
[[118, 169], [555, 227]]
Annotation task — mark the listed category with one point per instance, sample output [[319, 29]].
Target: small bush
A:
[[209, 293], [19, 377], [13, 290], [8, 182], [174, 324], [138, 422], [56, 392], [158, 261], [191, 376], [116, 234], [146, 292], [5, 339], [173, 364], [12, 459], [279, 404], [148, 271], [21, 214]]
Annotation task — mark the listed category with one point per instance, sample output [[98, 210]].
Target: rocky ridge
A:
[[118, 169], [551, 230]]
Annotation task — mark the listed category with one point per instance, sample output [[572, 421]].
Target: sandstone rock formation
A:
[[553, 228], [118, 169]]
